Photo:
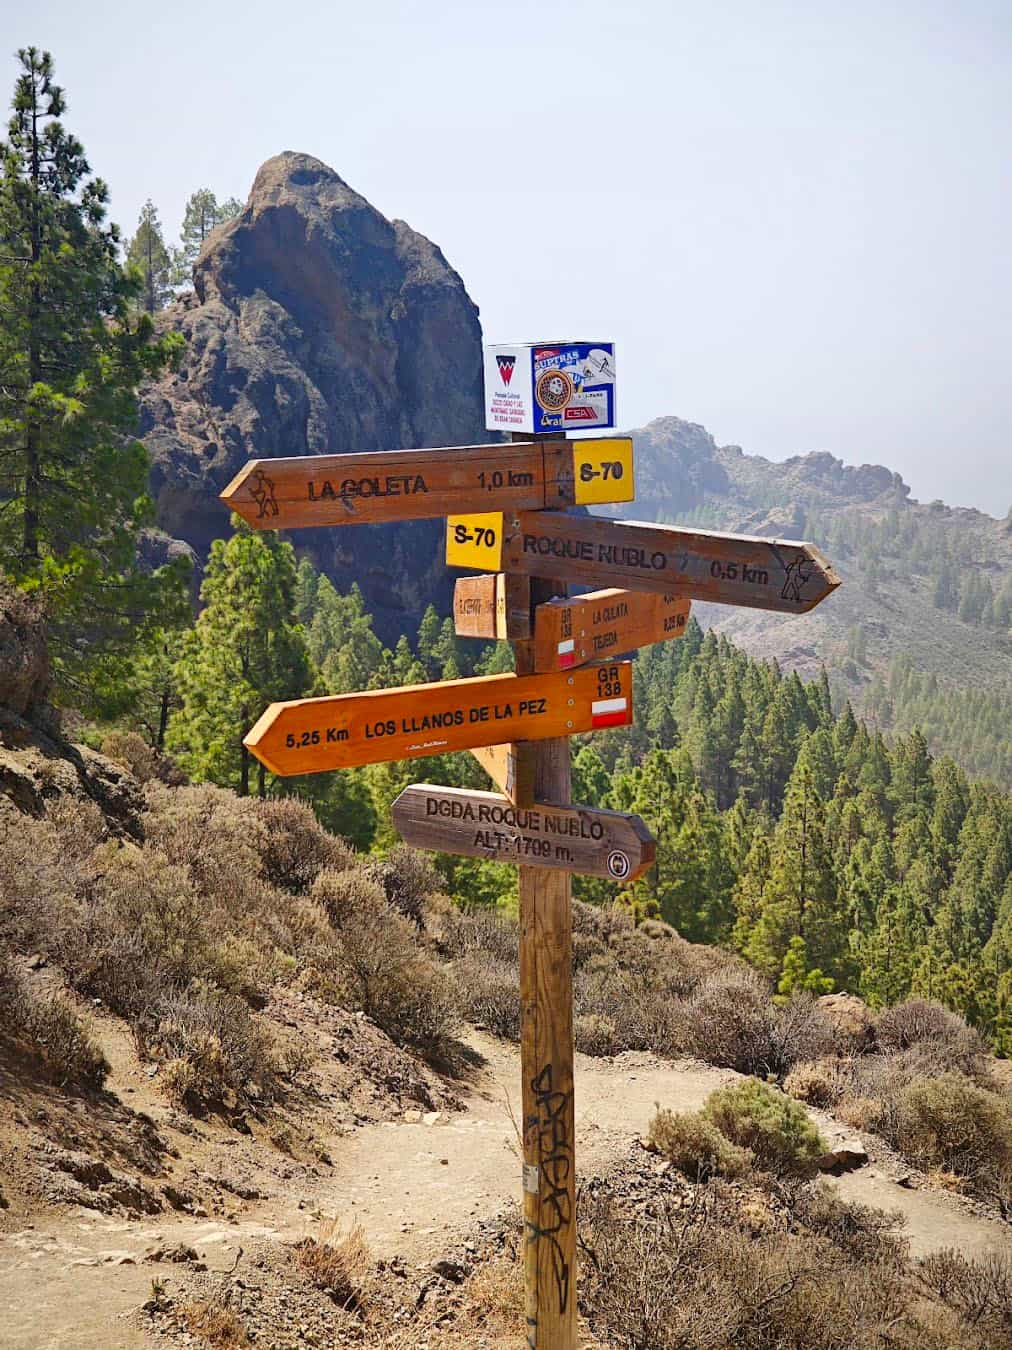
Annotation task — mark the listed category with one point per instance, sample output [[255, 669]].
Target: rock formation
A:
[[317, 326]]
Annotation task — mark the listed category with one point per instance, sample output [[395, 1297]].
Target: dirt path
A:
[[72, 1281]]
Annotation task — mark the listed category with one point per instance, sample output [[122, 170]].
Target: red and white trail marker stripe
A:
[[609, 712]]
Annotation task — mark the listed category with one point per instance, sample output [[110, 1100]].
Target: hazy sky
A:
[[793, 218]]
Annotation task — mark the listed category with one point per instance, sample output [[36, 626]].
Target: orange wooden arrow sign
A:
[[308, 490], [785, 575], [572, 632], [608, 844], [312, 735]]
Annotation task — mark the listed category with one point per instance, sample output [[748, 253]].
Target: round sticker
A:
[[618, 864], [553, 390]]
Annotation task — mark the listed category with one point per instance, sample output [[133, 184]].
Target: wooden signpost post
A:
[[506, 508]]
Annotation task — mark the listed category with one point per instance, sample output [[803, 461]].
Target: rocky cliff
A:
[[317, 326]]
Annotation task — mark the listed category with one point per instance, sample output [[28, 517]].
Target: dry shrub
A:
[[389, 974], [144, 761], [731, 1021], [338, 1263], [774, 1128], [865, 1233], [700, 1279], [819, 1082], [489, 991], [860, 1113], [294, 847], [927, 1025], [480, 930], [52, 1029], [696, 1146], [595, 1034], [408, 879], [216, 1055], [952, 1124], [980, 1290]]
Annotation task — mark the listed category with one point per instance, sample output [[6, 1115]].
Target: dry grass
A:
[[216, 1324], [339, 1263]]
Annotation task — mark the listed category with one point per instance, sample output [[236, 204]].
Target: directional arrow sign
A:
[[492, 607], [572, 632], [595, 843], [312, 735], [730, 569], [285, 494]]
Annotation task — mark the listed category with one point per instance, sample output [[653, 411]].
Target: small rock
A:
[[449, 1269], [845, 1156], [412, 1117], [431, 1117], [444, 1162], [36, 961]]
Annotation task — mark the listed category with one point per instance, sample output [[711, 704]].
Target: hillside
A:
[[927, 587]]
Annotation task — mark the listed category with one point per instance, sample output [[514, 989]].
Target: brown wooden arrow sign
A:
[[573, 632], [312, 735], [785, 575], [595, 843], [497, 606], [354, 489]]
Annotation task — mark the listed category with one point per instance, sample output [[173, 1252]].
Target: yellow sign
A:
[[603, 471], [475, 540]]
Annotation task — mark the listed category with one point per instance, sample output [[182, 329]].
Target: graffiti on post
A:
[[555, 1156]]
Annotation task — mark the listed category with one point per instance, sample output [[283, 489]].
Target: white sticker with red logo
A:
[[550, 386]]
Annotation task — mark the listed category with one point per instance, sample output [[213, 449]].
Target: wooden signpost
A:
[[311, 735], [609, 844], [506, 508], [287, 494], [729, 569]]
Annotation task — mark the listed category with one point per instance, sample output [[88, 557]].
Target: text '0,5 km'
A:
[[354, 489], [580, 839], [785, 575], [312, 735]]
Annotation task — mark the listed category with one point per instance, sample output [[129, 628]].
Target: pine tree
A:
[[800, 896], [147, 254], [246, 651], [72, 479], [200, 217]]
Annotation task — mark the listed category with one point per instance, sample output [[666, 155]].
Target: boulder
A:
[[317, 326], [852, 1018]]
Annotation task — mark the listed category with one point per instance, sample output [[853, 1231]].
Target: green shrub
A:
[[950, 1123], [776, 1129], [696, 1146]]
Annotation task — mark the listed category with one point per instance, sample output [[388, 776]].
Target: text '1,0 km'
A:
[[286, 494], [312, 735], [581, 839], [730, 569]]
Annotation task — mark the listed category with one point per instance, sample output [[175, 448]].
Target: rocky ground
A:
[[127, 1223]]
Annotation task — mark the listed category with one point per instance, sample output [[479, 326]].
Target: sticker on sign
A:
[[550, 386]]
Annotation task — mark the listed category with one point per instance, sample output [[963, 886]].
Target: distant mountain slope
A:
[[920, 629]]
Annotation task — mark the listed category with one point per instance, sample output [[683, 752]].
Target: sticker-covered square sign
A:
[[550, 386]]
